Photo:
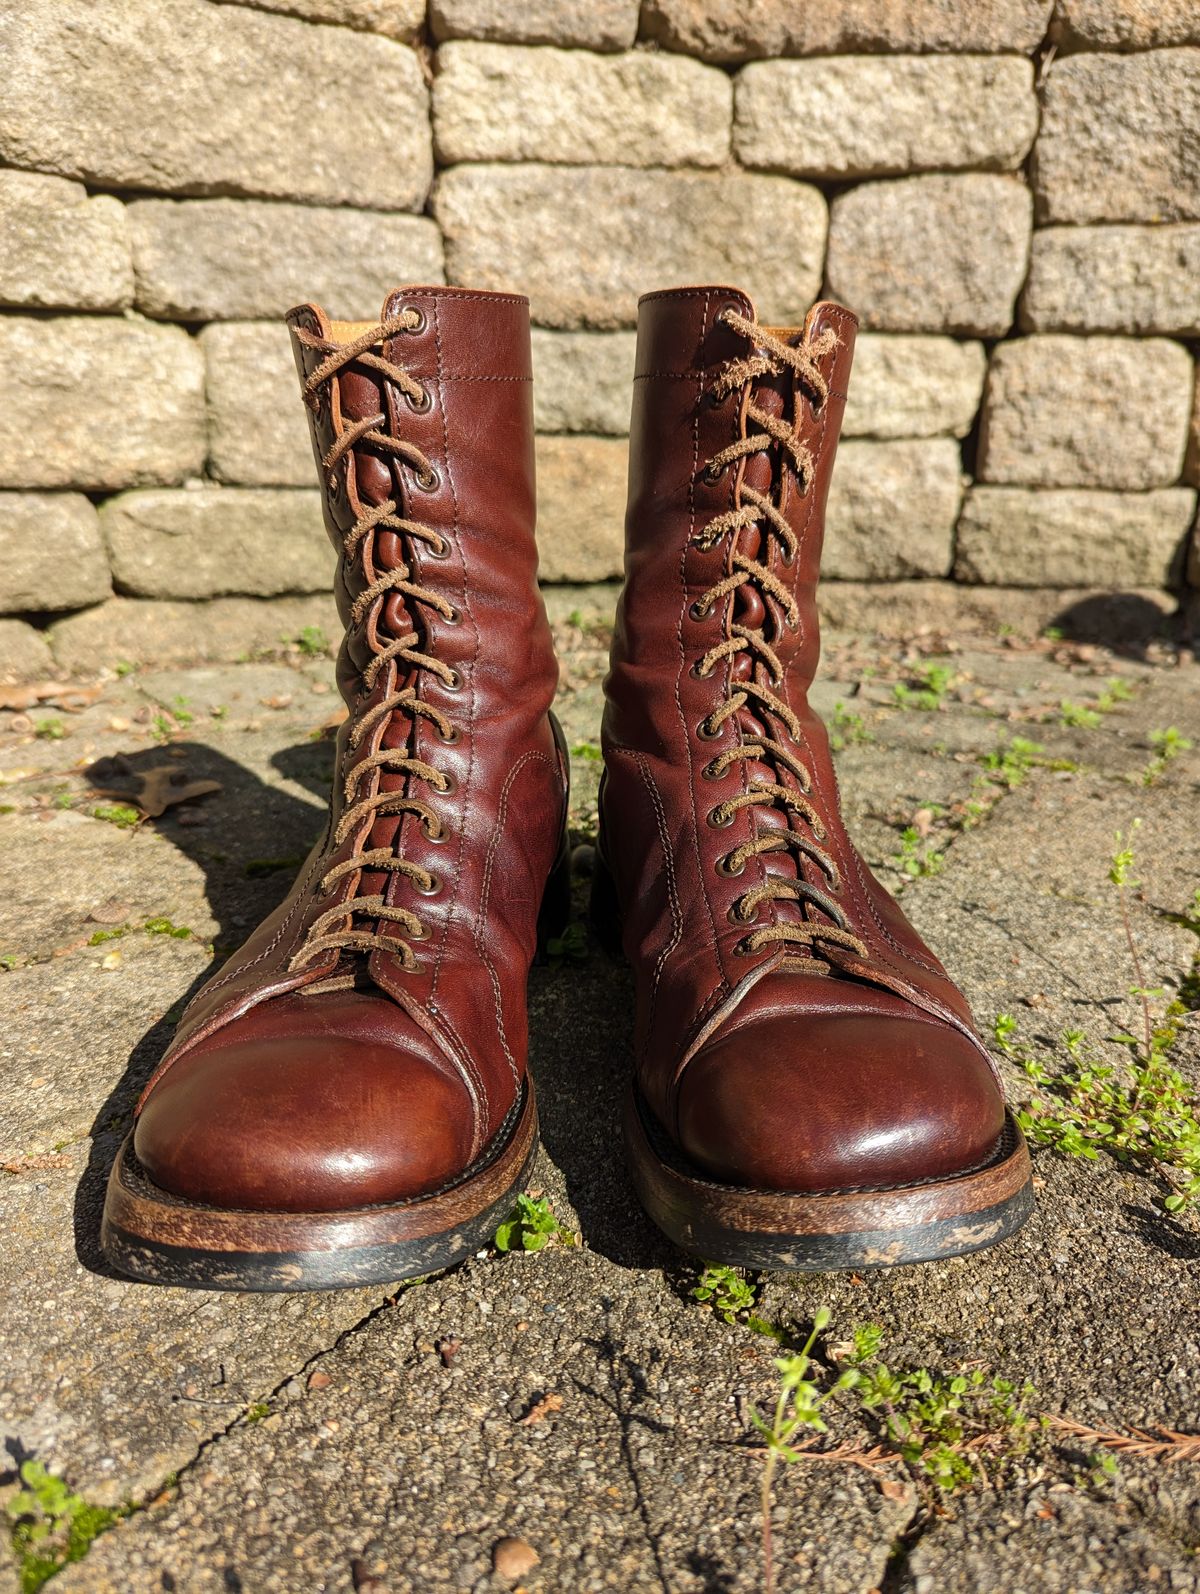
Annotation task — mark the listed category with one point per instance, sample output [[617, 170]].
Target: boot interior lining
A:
[[347, 331]]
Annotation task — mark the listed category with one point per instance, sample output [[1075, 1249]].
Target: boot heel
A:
[[555, 912], [604, 910]]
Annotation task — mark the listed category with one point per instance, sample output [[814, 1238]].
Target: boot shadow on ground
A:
[[250, 841], [1126, 622]]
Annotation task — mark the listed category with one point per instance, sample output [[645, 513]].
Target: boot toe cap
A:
[[838, 1102], [284, 1121]]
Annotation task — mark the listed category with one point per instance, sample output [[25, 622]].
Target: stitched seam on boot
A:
[[687, 741], [676, 935], [534, 755]]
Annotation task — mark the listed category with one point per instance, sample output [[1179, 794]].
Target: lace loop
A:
[[336, 929], [771, 356]]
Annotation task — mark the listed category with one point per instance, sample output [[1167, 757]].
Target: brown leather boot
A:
[[347, 1100], [810, 1091]]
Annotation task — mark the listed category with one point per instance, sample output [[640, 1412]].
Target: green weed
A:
[[917, 856], [1167, 745], [847, 729], [531, 1227], [312, 642], [1076, 716], [51, 1527], [1115, 690], [732, 1297], [927, 688], [119, 814], [177, 932], [1143, 1112], [589, 751], [50, 730]]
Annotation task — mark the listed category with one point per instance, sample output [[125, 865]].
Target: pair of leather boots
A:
[[348, 1101]]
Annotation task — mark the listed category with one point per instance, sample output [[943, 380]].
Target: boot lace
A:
[[336, 928], [770, 356]]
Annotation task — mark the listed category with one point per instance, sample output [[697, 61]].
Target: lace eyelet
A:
[[735, 917], [449, 738], [438, 836], [706, 734], [428, 480], [719, 824], [700, 675], [723, 868], [419, 934], [787, 558], [430, 890], [454, 617], [709, 773], [421, 406], [453, 682], [440, 550], [699, 610], [712, 474], [419, 324], [449, 786]]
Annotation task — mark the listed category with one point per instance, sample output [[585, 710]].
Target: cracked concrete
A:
[[373, 1460]]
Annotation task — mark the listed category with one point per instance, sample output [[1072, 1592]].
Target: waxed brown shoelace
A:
[[335, 930], [770, 356]]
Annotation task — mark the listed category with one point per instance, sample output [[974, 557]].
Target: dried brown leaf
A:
[[1158, 1444]]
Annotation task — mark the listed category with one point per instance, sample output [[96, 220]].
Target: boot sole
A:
[[829, 1231], [148, 1234]]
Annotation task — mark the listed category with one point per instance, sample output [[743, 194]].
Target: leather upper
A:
[[426, 1059], [831, 1046]]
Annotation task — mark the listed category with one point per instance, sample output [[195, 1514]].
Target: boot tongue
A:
[[751, 610], [361, 395]]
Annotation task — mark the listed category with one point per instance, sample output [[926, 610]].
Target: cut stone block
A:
[[497, 102], [912, 386], [213, 542], [723, 32], [581, 507], [51, 553], [1114, 279], [892, 510], [98, 403], [864, 116], [1118, 138], [60, 249], [1086, 412], [606, 234], [583, 381], [1012, 536], [598, 25], [229, 259], [257, 432], [185, 97], [931, 254]]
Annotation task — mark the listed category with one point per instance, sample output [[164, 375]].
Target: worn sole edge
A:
[[150, 1235], [801, 1233]]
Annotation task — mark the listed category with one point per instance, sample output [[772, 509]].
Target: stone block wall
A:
[[1007, 192]]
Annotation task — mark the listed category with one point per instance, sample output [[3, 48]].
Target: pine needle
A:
[[1159, 1444]]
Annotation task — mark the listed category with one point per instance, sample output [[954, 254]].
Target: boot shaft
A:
[[467, 522], [690, 408]]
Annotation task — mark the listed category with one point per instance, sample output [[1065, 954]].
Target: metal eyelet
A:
[[419, 325], [705, 734], [709, 773], [440, 550], [724, 868], [701, 675], [719, 824], [449, 786], [735, 917], [428, 480], [421, 406], [712, 473], [454, 617], [787, 558], [449, 738], [699, 610], [453, 682], [436, 836], [430, 890], [419, 934]]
